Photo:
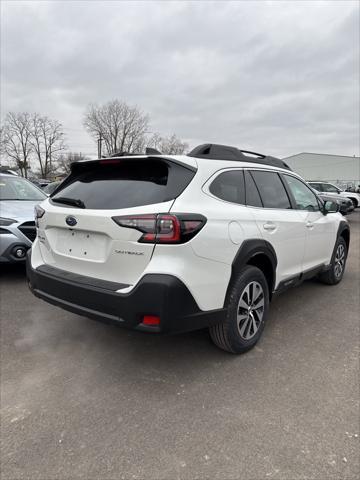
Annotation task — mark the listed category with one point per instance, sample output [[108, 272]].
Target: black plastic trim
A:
[[248, 250], [80, 279], [343, 226], [161, 295], [214, 151], [298, 279]]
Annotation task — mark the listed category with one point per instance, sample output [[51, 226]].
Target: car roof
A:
[[204, 155], [206, 166], [318, 181]]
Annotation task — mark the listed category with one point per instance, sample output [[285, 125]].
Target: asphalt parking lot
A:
[[80, 399]]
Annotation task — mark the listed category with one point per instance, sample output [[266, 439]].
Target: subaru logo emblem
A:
[[71, 221]]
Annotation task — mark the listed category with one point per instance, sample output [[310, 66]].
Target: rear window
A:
[[113, 184]]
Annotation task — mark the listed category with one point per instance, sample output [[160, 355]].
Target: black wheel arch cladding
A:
[[258, 253], [344, 231]]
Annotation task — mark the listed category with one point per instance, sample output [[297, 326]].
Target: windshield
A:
[[17, 188]]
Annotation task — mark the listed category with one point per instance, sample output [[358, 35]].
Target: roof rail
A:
[[213, 151]]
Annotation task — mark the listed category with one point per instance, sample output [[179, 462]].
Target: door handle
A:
[[269, 226], [309, 225]]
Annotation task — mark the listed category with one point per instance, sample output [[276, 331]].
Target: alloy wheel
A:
[[250, 310], [339, 261]]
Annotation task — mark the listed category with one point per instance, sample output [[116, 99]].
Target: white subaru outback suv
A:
[[176, 243]]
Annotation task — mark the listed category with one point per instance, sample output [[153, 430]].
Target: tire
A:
[[337, 267], [354, 201], [243, 326]]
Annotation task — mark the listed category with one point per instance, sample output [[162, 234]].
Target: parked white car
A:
[[175, 243], [327, 187]]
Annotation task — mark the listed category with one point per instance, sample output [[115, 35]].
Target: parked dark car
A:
[[345, 204]]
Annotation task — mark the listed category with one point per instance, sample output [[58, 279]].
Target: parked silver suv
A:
[[18, 198]]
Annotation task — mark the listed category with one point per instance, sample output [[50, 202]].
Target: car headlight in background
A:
[[4, 222]]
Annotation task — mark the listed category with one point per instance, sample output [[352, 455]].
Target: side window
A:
[[327, 187], [317, 186], [305, 199], [272, 190], [229, 186], [252, 195]]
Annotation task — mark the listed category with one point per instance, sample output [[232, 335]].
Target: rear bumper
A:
[[164, 296]]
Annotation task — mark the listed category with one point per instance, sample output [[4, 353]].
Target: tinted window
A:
[[305, 199], [327, 187], [272, 191], [17, 188], [317, 186], [229, 186], [124, 183], [50, 188], [252, 195]]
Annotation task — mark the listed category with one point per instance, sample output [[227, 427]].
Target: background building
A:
[[338, 169]]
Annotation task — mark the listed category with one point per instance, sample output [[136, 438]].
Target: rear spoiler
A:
[[84, 165]]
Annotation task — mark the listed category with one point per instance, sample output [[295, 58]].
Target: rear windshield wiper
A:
[[75, 202]]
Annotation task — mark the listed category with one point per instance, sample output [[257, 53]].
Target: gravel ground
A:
[[80, 399]]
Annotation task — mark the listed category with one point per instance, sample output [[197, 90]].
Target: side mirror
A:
[[330, 207]]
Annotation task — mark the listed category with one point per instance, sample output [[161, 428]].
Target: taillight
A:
[[164, 227], [39, 212]]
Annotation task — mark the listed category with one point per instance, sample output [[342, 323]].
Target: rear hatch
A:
[[78, 232]]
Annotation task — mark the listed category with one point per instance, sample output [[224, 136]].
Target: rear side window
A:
[[252, 194], [113, 184], [271, 189], [229, 186]]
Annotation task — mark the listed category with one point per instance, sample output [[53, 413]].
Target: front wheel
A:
[[337, 267], [247, 306]]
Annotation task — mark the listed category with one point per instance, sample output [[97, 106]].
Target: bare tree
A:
[[122, 128], [171, 145], [47, 140], [65, 160], [16, 140]]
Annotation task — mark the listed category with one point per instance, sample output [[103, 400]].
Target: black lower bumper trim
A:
[[80, 279], [164, 296]]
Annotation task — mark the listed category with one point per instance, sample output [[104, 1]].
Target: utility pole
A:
[[99, 143]]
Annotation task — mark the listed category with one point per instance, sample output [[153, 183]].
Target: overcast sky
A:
[[274, 77]]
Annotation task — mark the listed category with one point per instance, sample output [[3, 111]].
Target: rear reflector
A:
[[151, 320]]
